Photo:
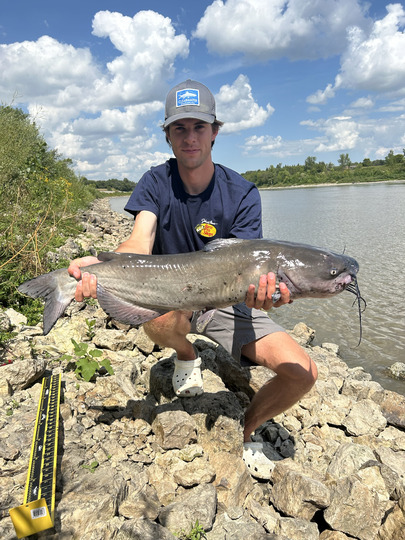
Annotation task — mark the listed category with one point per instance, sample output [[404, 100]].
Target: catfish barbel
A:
[[134, 289]]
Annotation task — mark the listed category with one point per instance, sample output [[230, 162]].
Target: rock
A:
[[143, 529], [397, 370], [365, 418], [299, 496], [297, 529], [16, 319], [354, 509], [174, 429], [392, 407], [348, 459], [20, 374], [198, 503]]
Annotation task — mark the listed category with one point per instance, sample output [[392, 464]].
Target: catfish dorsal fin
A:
[[220, 243], [106, 256]]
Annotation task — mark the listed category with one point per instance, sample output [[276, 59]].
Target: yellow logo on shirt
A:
[[206, 229]]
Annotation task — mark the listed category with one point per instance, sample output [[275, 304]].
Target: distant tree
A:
[[366, 162], [392, 159], [310, 163], [344, 161]]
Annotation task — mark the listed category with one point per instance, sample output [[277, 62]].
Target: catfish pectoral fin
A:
[[124, 311]]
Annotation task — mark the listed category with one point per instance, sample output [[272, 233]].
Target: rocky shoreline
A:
[[136, 462]]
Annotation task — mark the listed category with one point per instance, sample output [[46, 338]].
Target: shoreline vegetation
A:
[[331, 184]]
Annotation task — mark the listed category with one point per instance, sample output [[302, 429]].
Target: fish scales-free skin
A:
[[135, 288]]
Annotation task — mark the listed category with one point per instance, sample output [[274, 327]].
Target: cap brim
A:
[[205, 117]]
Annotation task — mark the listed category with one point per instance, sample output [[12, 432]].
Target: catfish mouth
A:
[[319, 288]]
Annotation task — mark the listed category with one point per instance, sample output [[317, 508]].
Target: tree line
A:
[[113, 184], [392, 167]]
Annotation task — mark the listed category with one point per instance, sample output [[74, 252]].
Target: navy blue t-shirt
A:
[[230, 207]]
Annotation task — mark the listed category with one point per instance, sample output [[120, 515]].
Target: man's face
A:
[[191, 141]]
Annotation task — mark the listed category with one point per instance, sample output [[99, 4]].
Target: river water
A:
[[367, 221]]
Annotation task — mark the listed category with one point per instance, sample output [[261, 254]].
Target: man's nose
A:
[[189, 135]]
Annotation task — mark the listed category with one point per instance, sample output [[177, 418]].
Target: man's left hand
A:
[[263, 298]]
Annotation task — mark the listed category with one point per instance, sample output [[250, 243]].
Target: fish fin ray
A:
[[106, 256], [220, 243], [124, 311]]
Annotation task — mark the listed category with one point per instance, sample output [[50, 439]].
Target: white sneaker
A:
[[187, 379], [259, 465]]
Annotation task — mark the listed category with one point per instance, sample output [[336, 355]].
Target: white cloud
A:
[[237, 108], [149, 46], [375, 62], [101, 116], [264, 29], [372, 61], [321, 96], [40, 69], [363, 103], [367, 136], [339, 133], [267, 145]]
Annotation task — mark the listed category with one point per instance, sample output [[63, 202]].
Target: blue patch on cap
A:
[[188, 96]]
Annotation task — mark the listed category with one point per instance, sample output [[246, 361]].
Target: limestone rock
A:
[[197, 503], [299, 496]]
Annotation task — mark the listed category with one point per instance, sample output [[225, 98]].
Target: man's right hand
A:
[[87, 283]]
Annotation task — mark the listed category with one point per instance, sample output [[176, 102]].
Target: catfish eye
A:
[[333, 272]]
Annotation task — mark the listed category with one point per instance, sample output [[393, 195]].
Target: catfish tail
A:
[[57, 289]]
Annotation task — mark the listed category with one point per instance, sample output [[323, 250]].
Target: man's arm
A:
[[141, 240]]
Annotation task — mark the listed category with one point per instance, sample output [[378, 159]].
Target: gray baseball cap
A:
[[189, 99]]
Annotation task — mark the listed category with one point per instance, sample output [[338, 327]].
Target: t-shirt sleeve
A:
[[145, 196], [248, 220]]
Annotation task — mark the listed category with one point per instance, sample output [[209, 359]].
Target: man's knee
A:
[[167, 325]]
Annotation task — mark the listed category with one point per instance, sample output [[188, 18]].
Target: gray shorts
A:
[[233, 327]]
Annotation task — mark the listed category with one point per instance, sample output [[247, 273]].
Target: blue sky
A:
[[292, 79]]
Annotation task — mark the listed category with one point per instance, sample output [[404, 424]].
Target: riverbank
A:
[[332, 184], [137, 462]]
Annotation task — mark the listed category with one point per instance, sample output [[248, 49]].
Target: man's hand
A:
[[87, 285], [263, 298]]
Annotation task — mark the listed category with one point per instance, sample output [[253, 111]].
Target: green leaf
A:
[[107, 365], [86, 368], [96, 353]]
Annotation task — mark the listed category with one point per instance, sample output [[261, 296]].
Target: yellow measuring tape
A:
[[38, 511]]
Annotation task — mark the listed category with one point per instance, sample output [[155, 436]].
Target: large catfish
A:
[[136, 288]]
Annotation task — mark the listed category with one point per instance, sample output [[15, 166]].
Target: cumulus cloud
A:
[[88, 111], [43, 68], [267, 145], [340, 133], [363, 103], [236, 106], [372, 136], [265, 29], [321, 96], [374, 60], [148, 46]]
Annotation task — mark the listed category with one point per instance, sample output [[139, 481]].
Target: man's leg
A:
[[295, 372], [170, 330]]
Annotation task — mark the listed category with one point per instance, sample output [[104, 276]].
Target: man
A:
[[181, 205]]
